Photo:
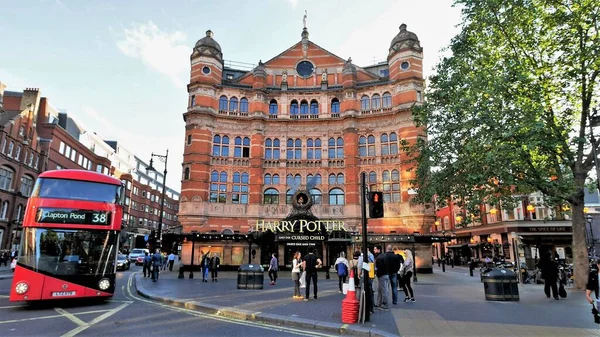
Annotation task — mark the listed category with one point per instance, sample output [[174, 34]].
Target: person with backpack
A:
[[341, 266], [147, 263]]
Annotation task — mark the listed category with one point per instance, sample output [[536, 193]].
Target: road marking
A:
[[70, 316], [216, 317], [4, 296], [95, 321], [29, 319], [12, 306]]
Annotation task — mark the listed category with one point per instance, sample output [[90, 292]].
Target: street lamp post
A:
[[163, 158]]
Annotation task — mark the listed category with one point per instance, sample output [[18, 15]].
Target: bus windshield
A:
[[76, 189], [69, 252]]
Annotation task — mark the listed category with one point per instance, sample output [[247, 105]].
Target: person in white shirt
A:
[[171, 261], [296, 263], [341, 266]]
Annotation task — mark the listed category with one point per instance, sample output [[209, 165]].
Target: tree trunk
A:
[[579, 245]]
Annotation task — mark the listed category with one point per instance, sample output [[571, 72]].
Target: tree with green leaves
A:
[[511, 111]]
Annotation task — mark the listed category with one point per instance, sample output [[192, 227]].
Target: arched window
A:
[[4, 210], [20, 212], [340, 179], [289, 179], [6, 176], [314, 107], [335, 106], [313, 149], [366, 146], [242, 147], [223, 103], [387, 100], [365, 103], [317, 196], [221, 146], [233, 104], [389, 144], [391, 186], [294, 149], [239, 193], [26, 185], [336, 196], [271, 197], [376, 102], [272, 148], [294, 108], [297, 180], [288, 196], [335, 148], [273, 107], [275, 179], [218, 186], [373, 181], [332, 179], [267, 179], [186, 174], [304, 107], [243, 105], [313, 180]]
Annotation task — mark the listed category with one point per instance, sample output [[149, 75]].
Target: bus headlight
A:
[[104, 284], [21, 288]]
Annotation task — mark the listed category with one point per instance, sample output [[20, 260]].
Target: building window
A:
[[243, 105], [20, 213], [294, 149], [376, 102], [11, 147], [272, 148], [37, 161], [294, 108], [267, 180], [288, 196], [233, 104], [335, 106], [221, 146], [218, 187], [391, 186], [275, 179], [271, 197], [273, 107], [240, 188], [73, 155], [242, 147], [313, 149], [365, 103], [387, 100], [26, 185], [189, 140], [80, 160], [336, 179], [372, 181], [336, 148], [292, 180], [193, 100], [317, 196], [61, 148], [366, 146], [389, 144], [314, 107], [21, 131], [6, 176], [223, 103], [186, 174], [271, 180], [4, 210], [18, 153], [304, 107], [313, 180], [336, 196]]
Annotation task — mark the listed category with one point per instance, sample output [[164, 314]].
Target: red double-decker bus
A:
[[70, 237]]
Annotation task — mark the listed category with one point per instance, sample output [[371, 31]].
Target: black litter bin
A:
[[250, 276], [501, 285]]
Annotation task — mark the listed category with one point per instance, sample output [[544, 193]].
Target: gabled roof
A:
[[8, 115]]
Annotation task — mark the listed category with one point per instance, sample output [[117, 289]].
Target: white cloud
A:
[[293, 2], [166, 53]]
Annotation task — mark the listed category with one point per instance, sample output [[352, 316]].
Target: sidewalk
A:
[[5, 272], [449, 304]]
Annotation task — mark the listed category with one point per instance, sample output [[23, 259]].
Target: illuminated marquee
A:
[[302, 225]]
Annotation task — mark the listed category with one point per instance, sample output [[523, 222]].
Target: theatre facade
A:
[[273, 155]]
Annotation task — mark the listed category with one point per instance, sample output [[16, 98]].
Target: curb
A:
[[288, 321], [3, 276]]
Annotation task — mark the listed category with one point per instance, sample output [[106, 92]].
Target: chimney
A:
[[31, 96], [2, 87]]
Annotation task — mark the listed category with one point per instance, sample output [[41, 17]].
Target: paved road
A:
[[127, 314]]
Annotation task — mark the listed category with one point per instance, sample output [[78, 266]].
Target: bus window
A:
[[77, 189]]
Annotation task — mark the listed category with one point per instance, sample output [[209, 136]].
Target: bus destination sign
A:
[[73, 216]]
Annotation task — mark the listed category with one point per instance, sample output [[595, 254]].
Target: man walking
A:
[[394, 267], [214, 267], [273, 268], [383, 278], [147, 263], [171, 261], [157, 260], [205, 264], [310, 265]]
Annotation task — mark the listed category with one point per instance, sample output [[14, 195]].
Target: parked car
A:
[[137, 252], [139, 261], [122, 262]]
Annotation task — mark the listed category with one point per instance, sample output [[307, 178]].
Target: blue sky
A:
[[120, 67]]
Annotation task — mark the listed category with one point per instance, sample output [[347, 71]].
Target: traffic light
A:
[[375, 205]]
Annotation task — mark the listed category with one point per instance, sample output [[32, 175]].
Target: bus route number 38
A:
[[99, 218]]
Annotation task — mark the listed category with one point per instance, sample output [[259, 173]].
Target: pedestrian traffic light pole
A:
[[158, 238], [367, 290]]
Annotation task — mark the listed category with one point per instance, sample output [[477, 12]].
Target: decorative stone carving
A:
[[284, 76], [324, 75]]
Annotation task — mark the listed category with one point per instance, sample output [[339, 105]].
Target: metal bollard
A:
[[443, 266]]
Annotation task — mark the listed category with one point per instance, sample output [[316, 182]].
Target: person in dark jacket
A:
[[157, 260], [593, 286], [383, 278], [215, 262], [147, 265], [393, 267], [205, 264], [549, 270]]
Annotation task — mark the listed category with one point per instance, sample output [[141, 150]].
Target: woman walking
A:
[[408, 272], [296, 263], [341, 266]]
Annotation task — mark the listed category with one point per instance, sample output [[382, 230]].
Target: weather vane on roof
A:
[[304, 19]]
